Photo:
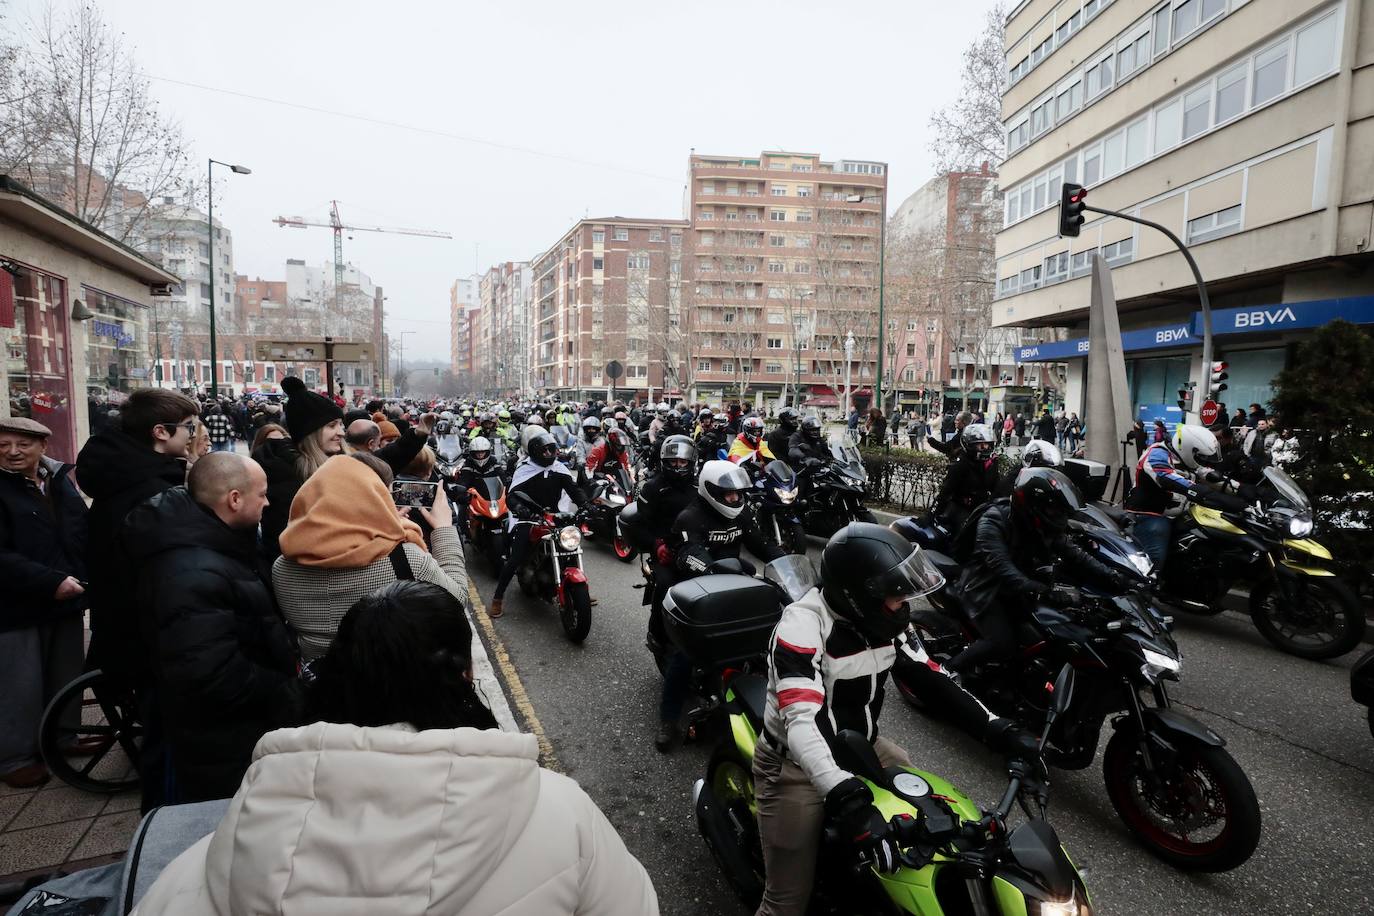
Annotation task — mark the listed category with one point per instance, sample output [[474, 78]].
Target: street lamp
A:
[[848, 362], [882, 263], [210, 231]]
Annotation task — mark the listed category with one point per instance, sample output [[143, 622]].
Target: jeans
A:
[[226, 446], [1154, 533]]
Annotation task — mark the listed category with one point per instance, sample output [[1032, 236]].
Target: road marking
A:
[[513, 682]]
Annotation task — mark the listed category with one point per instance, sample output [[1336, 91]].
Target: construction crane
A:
[[337, 224]]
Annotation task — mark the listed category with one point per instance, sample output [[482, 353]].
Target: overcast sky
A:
[[580, 109]]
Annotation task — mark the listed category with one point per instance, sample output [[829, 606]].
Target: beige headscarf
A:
[[344, 518]]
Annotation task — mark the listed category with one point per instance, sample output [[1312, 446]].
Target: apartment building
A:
[[782, 277], [610, 290], [462, 302], [503, 369], [1242, 125]]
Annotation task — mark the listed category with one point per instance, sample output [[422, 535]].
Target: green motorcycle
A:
[[955, 858]]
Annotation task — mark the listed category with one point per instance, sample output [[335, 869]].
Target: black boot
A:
[[669, 733]]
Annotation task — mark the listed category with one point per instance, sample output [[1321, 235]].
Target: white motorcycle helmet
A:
[[662, 408], [724, 485], [1041, 454], [1195, 446]]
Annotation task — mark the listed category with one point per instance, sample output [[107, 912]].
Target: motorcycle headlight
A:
[[1157, 664], [785, 495], [1299, 526], [1141, 563], [493, 510], [615, 499], [569, 538]]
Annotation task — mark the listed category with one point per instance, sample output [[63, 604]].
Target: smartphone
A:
[[413, 493]]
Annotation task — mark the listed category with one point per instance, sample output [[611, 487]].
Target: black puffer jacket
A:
[[278, 460], [118, 472], [224, 662], [42, 542]]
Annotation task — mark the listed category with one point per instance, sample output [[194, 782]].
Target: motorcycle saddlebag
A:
[[721, 620], [1089, 476]]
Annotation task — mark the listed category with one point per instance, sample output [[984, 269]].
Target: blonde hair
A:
[[312, 454], [422, 465]]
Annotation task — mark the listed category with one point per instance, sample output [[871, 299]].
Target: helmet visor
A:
[[911, 578]]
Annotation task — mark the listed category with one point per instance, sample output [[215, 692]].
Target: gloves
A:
[[1063, 596], [850, 808], [662, 554], [812, 462], [1011, 740]]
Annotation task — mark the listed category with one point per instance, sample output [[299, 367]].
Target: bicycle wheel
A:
[[101, 717]]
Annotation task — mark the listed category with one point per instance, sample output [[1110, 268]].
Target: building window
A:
[[1168, 126], [777, 216], [803, 190], [802, 241], [775, 343], [1080, 264], [598, 236], [778, 190], [1214, 225], [775, 267], [1196, 111], [703, 365], [598, 263], [1030, 278], [705, 215], [1315, 51], [622, 235], [727, 367], [803, 216], [777, 241], [1231, 92], [1271, 73], [1119, 252], [708, 187], [1057, 267], [655, 235], [675, 240], [799, 167]]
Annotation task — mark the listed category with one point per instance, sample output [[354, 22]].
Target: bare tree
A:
[[846, 303], [85, 131], [969, 131], [655, 314]]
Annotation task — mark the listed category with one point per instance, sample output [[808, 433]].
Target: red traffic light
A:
[[1072, 200]]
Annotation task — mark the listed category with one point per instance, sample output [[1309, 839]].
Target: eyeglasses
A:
[[189, 427]]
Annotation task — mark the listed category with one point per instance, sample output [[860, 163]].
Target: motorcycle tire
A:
[[576, 611], [622, 550], [1206, 768], [731, 778], [1334, 600]]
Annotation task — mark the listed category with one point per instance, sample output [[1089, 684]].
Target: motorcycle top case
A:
[[1089, 476], [721, 620]]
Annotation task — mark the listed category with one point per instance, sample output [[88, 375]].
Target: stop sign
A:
[[1208, 413]]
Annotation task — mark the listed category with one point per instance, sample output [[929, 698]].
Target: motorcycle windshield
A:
[[490, 488], [846, 454], [794, 574], [449, 448], [561, 436], [1287, 490]]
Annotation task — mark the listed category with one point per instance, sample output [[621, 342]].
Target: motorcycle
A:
[[552, 570], [1297, 602], [1362, 685], [955, 857], [487, 519], [449, 451], [1169, 777], [833, 496], [610, 493], [775, 505]]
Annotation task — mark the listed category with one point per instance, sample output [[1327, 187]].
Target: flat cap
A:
[[24, 426]]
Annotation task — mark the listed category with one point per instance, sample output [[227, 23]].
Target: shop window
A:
[[37, 357]]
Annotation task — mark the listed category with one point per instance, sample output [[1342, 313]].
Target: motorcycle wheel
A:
[[731, 778], [576, 610], [1204, 787], [622, 549], [942, 640], [1327, 622]]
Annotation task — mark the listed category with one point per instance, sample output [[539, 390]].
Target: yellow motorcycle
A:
[[1296, 600]]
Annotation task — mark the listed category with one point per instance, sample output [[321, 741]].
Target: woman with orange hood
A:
[[346, 539]]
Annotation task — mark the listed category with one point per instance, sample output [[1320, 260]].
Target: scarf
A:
[[343, 517]]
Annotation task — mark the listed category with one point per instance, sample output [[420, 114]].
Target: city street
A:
[[1290, 724]]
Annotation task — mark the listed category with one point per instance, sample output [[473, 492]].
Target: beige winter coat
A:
[[341, 820]]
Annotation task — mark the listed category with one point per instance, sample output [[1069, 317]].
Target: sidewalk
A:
[[56, 826]]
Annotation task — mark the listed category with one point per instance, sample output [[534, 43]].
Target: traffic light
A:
[[1185, 398], [1216, 382], [1072, 200]]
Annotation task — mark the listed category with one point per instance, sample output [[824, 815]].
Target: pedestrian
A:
[[1161, 433], [1139, 437], [221, 427], [200, 444], [875, 428], [1061, 429], [269, 431], [1044, 427], [1254, 445], [1073, 432], [1239, 418], [1256, 415], [1008, 429], [404, 791], [316, 427], [1019, 427], [43, 564], [345, 540], [1285, 449], [223, 661]]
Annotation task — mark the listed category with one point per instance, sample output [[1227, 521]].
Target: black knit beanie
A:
[[306, 411]]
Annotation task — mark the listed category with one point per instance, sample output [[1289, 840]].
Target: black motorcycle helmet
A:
[[617, 441], [542, 449], [1044, 500], [678, 457], [788, 418], [517, 417], [869, 574], [752, 430], [811, 428]]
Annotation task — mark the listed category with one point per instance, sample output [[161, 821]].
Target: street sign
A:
[[305, 351], [614, 370], [1209, 412]]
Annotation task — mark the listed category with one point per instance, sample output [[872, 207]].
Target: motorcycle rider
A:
[[661, 414], [829, 658], [486, 427], [545, 480], [971, 478], [663, 496], [1019, 543], [750, 445], [1157, 479], [807, 448], [788, 420], [710, 436], [712, 528], [478, 463], [591, 431], [1037, 454], [612, 450], [505, 428]]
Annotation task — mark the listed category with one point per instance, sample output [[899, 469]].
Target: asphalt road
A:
[[1289, 723]]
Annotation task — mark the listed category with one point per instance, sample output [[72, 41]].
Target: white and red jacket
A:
[[824, 677]]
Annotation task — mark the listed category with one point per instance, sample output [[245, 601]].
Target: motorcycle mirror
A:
[[1063, 690]]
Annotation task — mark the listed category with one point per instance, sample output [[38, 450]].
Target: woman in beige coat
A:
[[396, 804], [346, 539]]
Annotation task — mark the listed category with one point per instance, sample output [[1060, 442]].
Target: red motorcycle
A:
[[552, 570]]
